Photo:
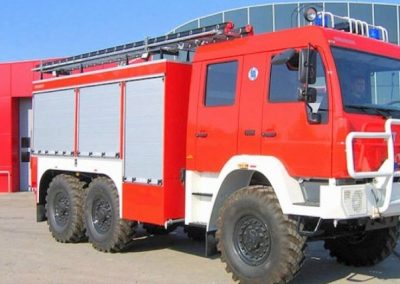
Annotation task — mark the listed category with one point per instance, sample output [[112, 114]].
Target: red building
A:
[[15, 105]]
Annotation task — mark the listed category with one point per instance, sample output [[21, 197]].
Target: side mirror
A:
[[308, 95], [308, 66], [283, 57]]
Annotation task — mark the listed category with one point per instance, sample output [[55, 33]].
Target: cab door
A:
[[288, 132], [252, 95], [217, 114]]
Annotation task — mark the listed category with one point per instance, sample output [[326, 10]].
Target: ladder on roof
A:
[[167, 44]]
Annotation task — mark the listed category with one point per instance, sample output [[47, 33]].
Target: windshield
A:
[[369, 83]]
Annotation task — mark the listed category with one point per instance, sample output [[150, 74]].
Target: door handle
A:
[[269, 134], [249, 132], [201, 134]]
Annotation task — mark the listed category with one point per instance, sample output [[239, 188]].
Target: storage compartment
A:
[[99, 120], [53, 122], [144, 130]]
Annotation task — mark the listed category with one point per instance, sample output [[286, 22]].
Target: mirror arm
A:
[[304, 69], [308, 66]]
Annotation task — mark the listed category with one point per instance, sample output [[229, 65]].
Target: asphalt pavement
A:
[[28, 254]]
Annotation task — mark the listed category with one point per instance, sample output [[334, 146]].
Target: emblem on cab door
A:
[[253, 73]]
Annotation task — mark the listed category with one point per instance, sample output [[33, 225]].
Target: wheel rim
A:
[[62, 209], [252, 240], [102, 215]]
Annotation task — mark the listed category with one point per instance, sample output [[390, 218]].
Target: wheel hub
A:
[[62, 208], [102, 215], [252, 240]]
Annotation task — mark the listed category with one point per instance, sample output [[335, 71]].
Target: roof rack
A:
[[166, 44], [351, 25]]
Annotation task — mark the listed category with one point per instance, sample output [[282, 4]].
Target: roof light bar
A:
[[351, 25]]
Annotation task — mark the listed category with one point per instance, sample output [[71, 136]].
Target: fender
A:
[[112, 168], [239, 171]]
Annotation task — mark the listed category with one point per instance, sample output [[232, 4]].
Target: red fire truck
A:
[[258, 142]]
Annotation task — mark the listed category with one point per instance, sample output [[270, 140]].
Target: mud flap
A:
[[40, 212], [211, 244]]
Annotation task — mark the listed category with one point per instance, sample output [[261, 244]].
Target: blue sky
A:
[[50, 28]]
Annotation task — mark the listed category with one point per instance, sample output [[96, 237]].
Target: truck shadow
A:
[[318, 268], [176, 240]]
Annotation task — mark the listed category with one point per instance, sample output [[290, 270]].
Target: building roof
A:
[[277, 15]]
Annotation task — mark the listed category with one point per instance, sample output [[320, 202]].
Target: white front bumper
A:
[[355, 201]]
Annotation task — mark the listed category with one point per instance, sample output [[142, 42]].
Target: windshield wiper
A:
[[371, 110], [393, 112]]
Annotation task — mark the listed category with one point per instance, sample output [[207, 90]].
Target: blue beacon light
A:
[[322, 23], [374, 33]]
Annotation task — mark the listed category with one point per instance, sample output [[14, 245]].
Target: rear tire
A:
[[106, 230], [364, 249], [64, 209], [258, 243]]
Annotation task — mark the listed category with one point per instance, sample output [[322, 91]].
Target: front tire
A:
[[64, 209], [364, 249], [106, 230], [258, 243]]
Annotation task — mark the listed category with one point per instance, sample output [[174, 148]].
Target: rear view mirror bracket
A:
[[284, 57], [308, 95]]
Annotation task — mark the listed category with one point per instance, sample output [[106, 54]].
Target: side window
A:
[[284, 83], [221, 84], [320, 85], [321, 105], [284, 86]]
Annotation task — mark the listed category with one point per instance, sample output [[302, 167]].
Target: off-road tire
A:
[[105, 229], [258, 243], [364, 249], [64, 209]]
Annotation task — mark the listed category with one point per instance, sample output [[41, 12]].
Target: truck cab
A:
[[252, 103], [278, 112]]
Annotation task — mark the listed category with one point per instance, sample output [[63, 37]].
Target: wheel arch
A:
[[258, 170], [232, 183]]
